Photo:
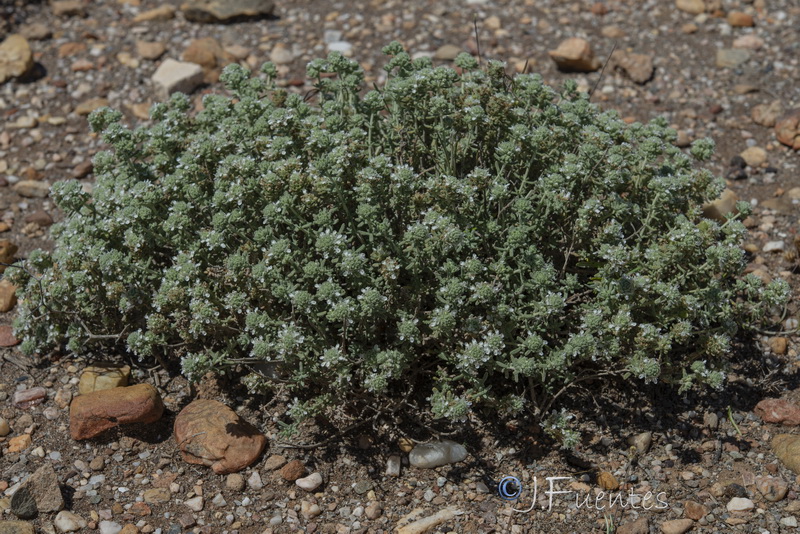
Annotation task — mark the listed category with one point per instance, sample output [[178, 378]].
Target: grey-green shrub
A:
[[452, 239]]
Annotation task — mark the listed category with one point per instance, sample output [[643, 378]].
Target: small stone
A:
[[773, 489], [719, 208], [281, 54], [70, 49], [740, 504], [95, 412], [40, 218], [607, 481], [731, 57], [774, 246], [309, 483], [677, 526], [32, 188], [787, 129], [176, 76], [362, 486], [44, 488], [235, 482], [87, 106], [778, 411], [127, 59], [694, 510], [612, 32], [29, 397], [208, 53], [638, 67], [219, 501], [447, 52], [254, 481], [67, 521], [97, 463], [393, 466], [641, 441], [274, 462], [102, 376], [778, 345], [210, 433], [694, 7], [7, 251], [150, 50], [293, 470], [109, 527], [35, 32], [4, 428], [8, 295], [165, 12], [68, 8], [156, 495], [7, 338], [787, 449], [710, 420], [575, 55], [405, 445], [63, 398], [373, 511], [195, 504], [754, 156], [690, 28], [737, 19], [748, 41], [213, 11], [767, 114], [790, 521], [435, 454], [309, 510]]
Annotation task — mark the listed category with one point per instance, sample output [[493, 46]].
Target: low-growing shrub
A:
[[452, 240]]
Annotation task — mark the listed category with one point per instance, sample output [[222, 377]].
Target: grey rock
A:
[[226, 10], [177, 76], [731, 57], [23, 505]]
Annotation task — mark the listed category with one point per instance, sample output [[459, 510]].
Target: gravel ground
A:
[[699, 453]]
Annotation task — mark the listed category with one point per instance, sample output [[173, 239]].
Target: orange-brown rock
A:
[[8, 295], [7, 338], [210, 433], [778, 411], [575, 55], [787, 129], [293, 470], [7, 251], [738, 19], [95, 412]]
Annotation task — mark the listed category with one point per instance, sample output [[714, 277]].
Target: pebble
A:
[[373, 510], [103, 376], [676, 526], [309, 510], [774, 246], [731, 57], [790, 521], [310, 483], [32, 188], [156, 495], [195, 504], [43, 487], [787, 129], [176, 76], [435, 454], [607, 481], [778, 345], [4, 428], [694, 510], [219, 501], [639, 526], [67, 521], [718, 209], [737, 19], [754, 156], [16, 57], [274, 462], [281, 54], [575, 55], [92, 104], [740, 504], [693, 7], [767, 114], [29, 397], [8, 295], [254, 481], [638, 67], [393, 466], [150, 50], [235, 482], [772, 488], [215, 11], [447, 52], [110, 527], [164, 12], [293, 470], [641, 441]]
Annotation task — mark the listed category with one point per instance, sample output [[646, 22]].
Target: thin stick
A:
[[591, 93], [477, 37]]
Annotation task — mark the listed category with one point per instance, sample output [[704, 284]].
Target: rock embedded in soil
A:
[[4, 428], [19, 443], [638, 67], [293, 470], [8, 296], [150, 50], [165, 12], [778, 411], [29, 397], [718, 208], [693, 7], [7, 338], [68, 8], [772, 488], [694, 510], [435, 454], [177, 76], [212, 11], [677, 526], [787, 449], [102, 376], [575, 55], [67, 521], [195, 504], [767, 114], [731, 57], [787, 129], [754, 156], [740, 504], [95, 412], [16, 527], [309, 483], [7, 251], [210, 433], [32, 188], [16, 58], [39, 493], [641, 441], [738, 19], [607, 481], [447, 52]]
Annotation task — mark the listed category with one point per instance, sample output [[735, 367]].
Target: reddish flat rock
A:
[[95, 412], [210, 433], [7, 339], [778, 411]]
